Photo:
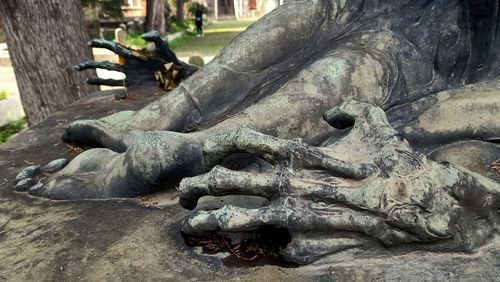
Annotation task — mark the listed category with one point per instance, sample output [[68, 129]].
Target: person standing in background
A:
[[199, 20]]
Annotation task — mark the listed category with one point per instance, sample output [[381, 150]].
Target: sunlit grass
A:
[[227, 29], [11, 128], [3, 95], [135, 40], [217, 35]]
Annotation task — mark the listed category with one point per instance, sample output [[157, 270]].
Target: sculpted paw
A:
[[369, 186], [152, 160], [32, 175], [81, 178]]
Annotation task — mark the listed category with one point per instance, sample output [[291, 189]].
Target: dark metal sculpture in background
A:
[[405, 160], [141, 67]]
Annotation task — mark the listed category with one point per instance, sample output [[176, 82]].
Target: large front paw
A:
[[368, 189]]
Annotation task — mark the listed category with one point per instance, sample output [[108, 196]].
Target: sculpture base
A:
[[138, 239]]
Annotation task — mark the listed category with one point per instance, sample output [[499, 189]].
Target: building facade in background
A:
[[239, 9], [135, 10]]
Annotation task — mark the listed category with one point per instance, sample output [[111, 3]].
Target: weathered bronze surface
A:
[[368, 126]]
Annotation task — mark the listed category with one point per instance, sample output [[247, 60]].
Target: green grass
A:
[[180, 41], [11, 128], [135, 40], [217, 35], [176, 28], [3, 95]]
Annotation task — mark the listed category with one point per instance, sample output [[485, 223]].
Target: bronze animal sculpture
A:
[[380, 72]]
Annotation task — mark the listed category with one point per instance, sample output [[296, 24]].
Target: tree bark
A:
[[155, 16], [179, 12], [46, 39]]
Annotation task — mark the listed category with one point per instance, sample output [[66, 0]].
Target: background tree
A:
[[179, 12], [168, 14], [155, 16], [46, 39]]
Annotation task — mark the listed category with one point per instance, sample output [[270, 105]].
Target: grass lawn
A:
[[217, 35]]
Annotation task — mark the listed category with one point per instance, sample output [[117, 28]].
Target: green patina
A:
[[336, 68]]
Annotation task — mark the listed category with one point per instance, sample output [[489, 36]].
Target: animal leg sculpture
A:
[[419, 51], [233, 79], [102, 173], [398, 196]]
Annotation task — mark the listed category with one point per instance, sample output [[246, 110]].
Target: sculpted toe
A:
[[25, 184], [28, 172]]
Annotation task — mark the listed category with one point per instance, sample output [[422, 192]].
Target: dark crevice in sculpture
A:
[[263, 246]]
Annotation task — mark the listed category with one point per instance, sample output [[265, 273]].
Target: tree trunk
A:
[[46, 39], [179, 12], [155, 16]]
